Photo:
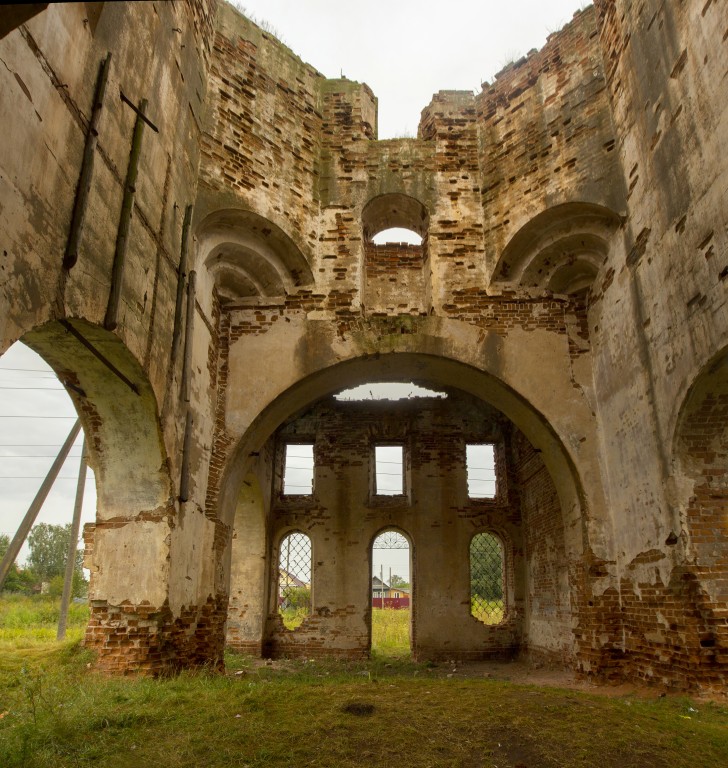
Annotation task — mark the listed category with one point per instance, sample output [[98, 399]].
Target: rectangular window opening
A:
[[480, 466], [298, 470], [389, 470]]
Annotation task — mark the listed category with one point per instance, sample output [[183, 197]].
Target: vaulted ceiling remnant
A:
[[249, 256], [561, 250]]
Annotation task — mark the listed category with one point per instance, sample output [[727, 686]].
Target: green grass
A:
[[391, 632], [27, 621], [55, 711], [487, 611], [293, 617]]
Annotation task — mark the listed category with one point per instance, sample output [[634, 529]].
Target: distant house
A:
[[386, 596], [287, 579]]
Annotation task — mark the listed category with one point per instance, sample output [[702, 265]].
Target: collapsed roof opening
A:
[[387, 390]]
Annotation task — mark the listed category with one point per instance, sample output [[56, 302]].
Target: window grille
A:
[[294, 579], [487, 593]]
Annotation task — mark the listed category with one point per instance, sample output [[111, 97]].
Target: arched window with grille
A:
[[487, 578], [294, 578]]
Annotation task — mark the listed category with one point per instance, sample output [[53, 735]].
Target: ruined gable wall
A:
[[262, 130]]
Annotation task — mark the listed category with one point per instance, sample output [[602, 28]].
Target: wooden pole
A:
[[72, 546], [189, 329], [87, 167], [184, 483], [127, 209], [37, 503], [181, 275]]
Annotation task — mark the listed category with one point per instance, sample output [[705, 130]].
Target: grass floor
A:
[[391, 632], [55, 711]]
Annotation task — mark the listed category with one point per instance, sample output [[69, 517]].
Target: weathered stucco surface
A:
[[570, 288]]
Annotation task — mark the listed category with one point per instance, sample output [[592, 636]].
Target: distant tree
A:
[[48, 548], [398, 581], [18, 579]]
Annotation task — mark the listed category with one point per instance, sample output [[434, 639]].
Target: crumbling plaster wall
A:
[[142, 617], [664, 315], [596, 160]]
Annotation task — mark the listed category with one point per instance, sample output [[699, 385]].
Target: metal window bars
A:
[[487, 593]]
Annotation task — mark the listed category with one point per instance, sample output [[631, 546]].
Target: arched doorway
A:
[[392, 593]]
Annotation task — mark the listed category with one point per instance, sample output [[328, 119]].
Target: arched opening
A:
[[129, 548], [295, 579], [36, 417], [394, 210], [397, 235], [392, 594], [699, 584], [438, 507], [396, 259], [488, 598]]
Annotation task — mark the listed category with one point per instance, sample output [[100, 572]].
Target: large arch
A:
[[425, 369], [699, 585], [141, 595], [548, 447]]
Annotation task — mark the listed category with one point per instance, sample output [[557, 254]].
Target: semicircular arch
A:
[[394, 210], [560, 249], [118, 410], [424, 369], [232, 242]]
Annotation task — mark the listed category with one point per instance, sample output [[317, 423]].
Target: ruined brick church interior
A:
[[188, 214]]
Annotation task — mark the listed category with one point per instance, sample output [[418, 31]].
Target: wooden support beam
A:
[[72, 546], [181, 275], [87, 167], [189, 331], [127, 209], [184, 483], [95, 352]]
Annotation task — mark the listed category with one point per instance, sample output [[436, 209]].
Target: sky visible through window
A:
[[480, 463], [298, 470], [389, 470]]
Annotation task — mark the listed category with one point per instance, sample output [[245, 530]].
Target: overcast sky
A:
[[36, 416], [407, 50]]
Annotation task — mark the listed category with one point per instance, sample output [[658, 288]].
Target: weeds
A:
[[56, 711], [391, 632]]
